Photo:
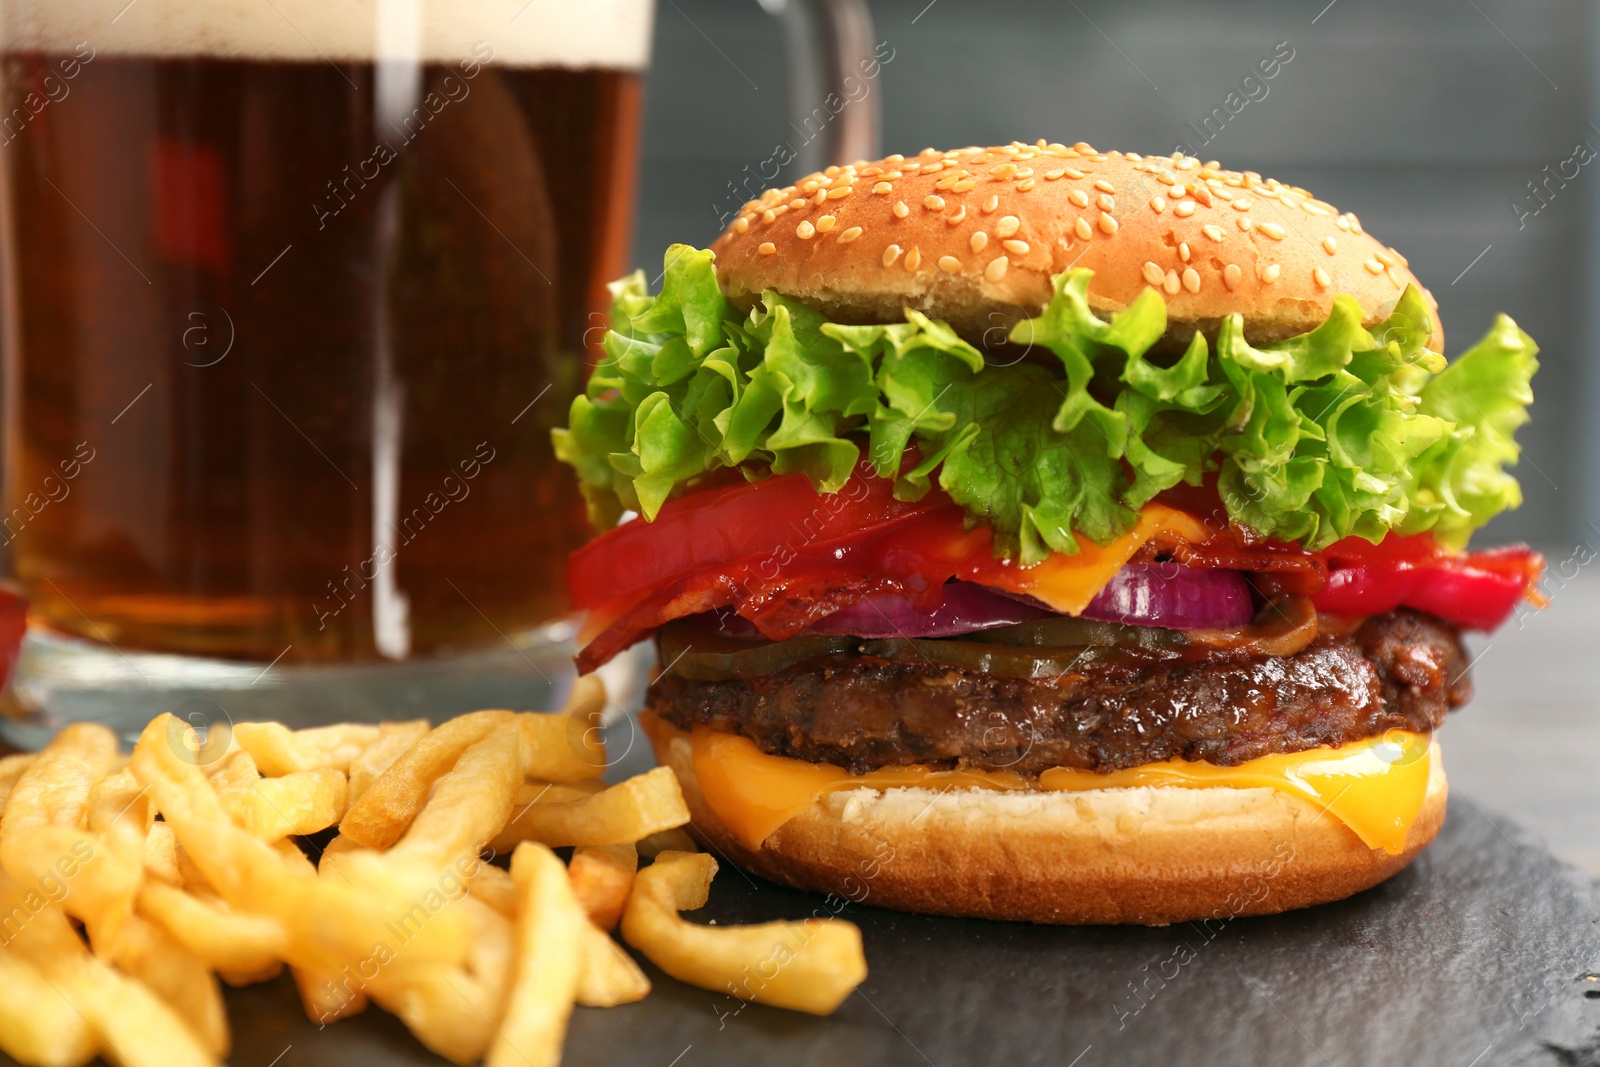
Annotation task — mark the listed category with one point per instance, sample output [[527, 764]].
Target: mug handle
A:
[[826, 42]]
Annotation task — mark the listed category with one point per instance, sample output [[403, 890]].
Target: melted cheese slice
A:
[[1375, 787]]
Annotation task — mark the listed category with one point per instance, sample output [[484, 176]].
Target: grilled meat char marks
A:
[[1402, 670]]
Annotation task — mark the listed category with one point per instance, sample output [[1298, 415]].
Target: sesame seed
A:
[[1024, 172], [871, 172], [914, 259], [826, 223], [1079, 197], [1191, 280], [766, 248], [1222, 193], [1342, 222], [821, 197], [933, 202], [1244, 223], [1183, 209], [990, 204], [896, 158], [1075, 173], [804, 231], [996, 268], [1385, 258], [891, 254], [1200, 192], [1106, 202], [881, 188], [741, 224], [797, 203], [1105, 186], [1213, 232], [1152, 272], [779, 210], [1183, 251], [768, 216], [1374, 266], [1026, 184], [965, 185], [1321, 278], [959, 216], [1314, 209], [849, 235], [946, 182], [839, 192], [1083, 229], [831, 171], [1330, 244], [949, 264], [1270, 272], [1107, 223], [1355, 223], [1231, 275], [1394, 277], [1171, 283], [1158, 204], [900, 209], [1242, 204], [1015, 247], [808, 187], [1052, 175], [1004, 171], [1006, 225], [978, 241], [1272, 230]]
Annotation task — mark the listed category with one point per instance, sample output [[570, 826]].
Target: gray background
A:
[[1426, 119]]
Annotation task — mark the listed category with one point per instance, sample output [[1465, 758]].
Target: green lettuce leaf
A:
[[1340, 431]]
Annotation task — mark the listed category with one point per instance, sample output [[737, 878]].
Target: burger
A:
[[1041, 533]]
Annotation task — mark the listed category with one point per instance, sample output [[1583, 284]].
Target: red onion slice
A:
[[1169, 595], [1174, 596], [967, 608]]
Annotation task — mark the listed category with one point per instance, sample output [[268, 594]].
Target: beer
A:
[[292, 302]]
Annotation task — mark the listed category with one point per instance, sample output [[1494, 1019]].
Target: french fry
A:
[[11, 768], [278, 750], [565, 746], [146, 952], [130, 1023], [37, 1024], [329, 997], [160, 856], [395, 739], [548, 935], [328, 922], [809, 966], [300, 802], [601, 877], [386, 809], [43, 837], [452, 1009], [674, 840], [470, 802], [494, 887], [620, 815], [229, 941], [237, 768], [607, 975]]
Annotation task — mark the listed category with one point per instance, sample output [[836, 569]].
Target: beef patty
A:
[[1402, 670]]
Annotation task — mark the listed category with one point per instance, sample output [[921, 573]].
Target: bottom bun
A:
[[1150, 855]]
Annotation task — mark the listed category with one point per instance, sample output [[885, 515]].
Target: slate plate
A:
[[1486, 951]]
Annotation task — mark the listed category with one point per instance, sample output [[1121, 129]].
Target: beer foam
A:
[[611, 34]]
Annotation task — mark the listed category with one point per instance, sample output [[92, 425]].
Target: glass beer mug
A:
[[293, 294]]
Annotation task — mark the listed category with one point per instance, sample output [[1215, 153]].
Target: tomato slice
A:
[[1478, 591]]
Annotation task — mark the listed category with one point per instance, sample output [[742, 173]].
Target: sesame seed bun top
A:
[[974, 235]]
